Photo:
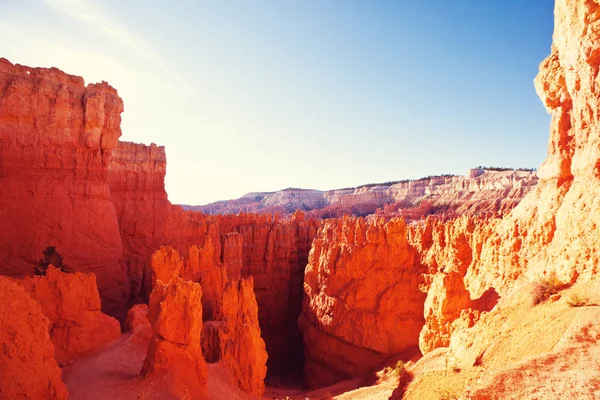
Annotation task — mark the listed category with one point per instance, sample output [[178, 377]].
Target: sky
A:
[[255, 95]]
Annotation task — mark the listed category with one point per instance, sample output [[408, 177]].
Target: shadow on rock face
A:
[[487, 301], [405, 379]]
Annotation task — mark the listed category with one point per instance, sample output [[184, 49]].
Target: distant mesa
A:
[[484, 190]]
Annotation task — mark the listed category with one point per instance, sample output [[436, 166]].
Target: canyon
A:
[[421, 289]]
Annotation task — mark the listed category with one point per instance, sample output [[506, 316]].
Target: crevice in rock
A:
[[281, 334]]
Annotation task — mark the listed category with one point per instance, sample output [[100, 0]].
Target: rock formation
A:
[[448, 249], [363, 301], [272, 250], [231, 331], [232, 254], [285, 201], [29, 370], [552, 231], [137, 318], [374, 288], [174, 355], [235, 339], [72, 304], [165, 265], [553, 228], [56, 137], [136, 177]]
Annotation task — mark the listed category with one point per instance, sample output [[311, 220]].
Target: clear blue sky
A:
[[263, 95]]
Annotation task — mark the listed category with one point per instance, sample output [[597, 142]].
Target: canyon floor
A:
[[523, 343]]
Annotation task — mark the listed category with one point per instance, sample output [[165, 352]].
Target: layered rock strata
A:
[[272, 250], [167, 264], [553, 229], [472, 264], [56, 137], [485, 191], [448, 249]]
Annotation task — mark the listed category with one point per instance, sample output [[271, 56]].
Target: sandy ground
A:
[[114, 372]]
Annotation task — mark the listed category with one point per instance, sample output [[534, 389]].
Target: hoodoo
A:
[[174, 357]]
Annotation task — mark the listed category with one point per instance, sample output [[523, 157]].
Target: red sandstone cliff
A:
[[56, 137], [444, 277], [27, 364], [147, 220]]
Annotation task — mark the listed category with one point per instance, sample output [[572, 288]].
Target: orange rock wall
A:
[[554, 228], [147, 220], [363, 301], [56, 137], [471, 263], [166, 264], [448, 249]]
